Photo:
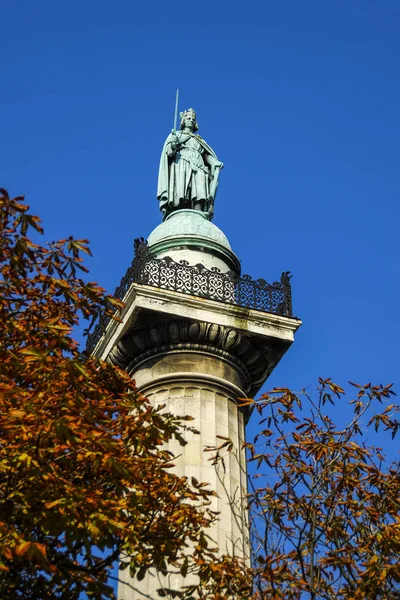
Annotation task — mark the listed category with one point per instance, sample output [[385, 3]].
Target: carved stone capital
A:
[[185, 335]]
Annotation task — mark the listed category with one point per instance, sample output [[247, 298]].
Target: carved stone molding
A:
[[195, 348], [196, 280], [195, 336]]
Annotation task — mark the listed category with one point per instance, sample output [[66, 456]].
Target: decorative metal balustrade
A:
[[168, 274]]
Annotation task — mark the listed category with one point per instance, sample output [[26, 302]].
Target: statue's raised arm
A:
[[189, 170]]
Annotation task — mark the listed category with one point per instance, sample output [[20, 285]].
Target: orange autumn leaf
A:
[[22, 549]]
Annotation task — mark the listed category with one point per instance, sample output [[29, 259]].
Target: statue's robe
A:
[[184, 178]]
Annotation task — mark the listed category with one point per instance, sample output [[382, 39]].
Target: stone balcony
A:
[[199, 282]]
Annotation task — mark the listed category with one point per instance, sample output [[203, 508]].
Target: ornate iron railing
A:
[[196, 280]]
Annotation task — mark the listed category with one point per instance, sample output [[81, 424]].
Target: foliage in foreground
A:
[[82, 474], [325, 503]]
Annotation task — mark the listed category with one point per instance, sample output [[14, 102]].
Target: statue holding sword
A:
[[189, 169]]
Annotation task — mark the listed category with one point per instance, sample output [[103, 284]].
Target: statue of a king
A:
[[189, 170]]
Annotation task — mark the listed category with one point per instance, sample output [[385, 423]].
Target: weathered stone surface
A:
[[195, 338], [148, 305], [215, 414]]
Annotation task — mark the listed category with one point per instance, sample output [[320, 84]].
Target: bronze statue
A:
[[189, 170]]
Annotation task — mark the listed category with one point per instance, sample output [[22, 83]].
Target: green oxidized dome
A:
[[190, 224]]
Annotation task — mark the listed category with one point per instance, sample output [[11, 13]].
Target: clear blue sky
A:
[[300, 100]]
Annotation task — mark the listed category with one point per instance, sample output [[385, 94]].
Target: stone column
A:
[[199, 382], [196, 350]]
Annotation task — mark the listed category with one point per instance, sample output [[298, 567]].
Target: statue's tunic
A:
[[184, 177]]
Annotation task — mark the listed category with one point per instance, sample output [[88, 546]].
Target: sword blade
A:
[[176, 110]]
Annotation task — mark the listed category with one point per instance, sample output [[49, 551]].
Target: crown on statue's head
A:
[[192, 113]]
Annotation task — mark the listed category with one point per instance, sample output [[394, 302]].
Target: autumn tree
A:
[[84, 478], [325, 501]]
